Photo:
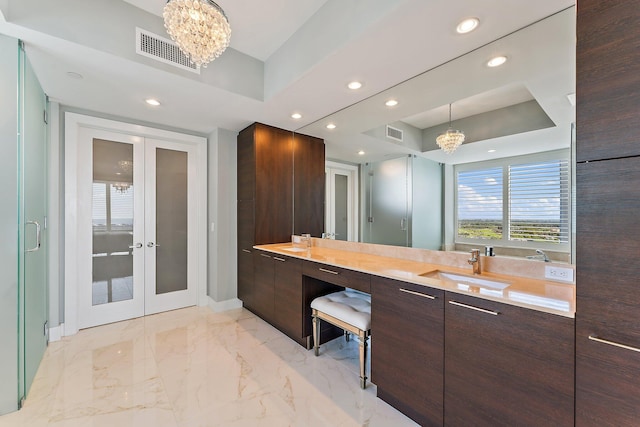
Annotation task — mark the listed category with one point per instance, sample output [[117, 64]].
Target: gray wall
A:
[[8, 225], [222, 275]]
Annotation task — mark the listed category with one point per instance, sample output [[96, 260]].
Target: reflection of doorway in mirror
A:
[[341, 215]]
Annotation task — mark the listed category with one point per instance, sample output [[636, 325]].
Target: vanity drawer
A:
[[338, 276]]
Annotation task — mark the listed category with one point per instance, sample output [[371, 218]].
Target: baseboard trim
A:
[[218, 306], [56, 333]]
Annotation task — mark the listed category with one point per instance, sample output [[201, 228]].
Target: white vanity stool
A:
[[349, 310]]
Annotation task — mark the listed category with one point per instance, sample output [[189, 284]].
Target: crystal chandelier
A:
[[451, 139], [199, 27], [121, 187]]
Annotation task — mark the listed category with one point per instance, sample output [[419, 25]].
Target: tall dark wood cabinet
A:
[[280, 177], [608, 206], [308, 185]]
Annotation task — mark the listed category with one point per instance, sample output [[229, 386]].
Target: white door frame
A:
[[352, 197], [73, 123]]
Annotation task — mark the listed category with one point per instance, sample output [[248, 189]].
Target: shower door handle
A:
[[38, 236]]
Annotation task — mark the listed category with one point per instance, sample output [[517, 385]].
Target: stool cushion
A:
[[351, 307]]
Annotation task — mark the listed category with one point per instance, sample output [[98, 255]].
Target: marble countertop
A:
[[547, 296]]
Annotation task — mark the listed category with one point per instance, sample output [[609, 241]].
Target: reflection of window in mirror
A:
[[517, 204]]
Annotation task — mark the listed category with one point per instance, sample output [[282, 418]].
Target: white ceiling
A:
[[285, 55], [259, 28]]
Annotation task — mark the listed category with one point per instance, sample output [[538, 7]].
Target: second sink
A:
[[464, 280]]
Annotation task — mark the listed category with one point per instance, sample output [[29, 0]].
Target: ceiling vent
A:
[[162, 49], [394, 133]]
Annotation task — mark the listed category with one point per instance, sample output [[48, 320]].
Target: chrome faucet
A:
[[541, 256], [475, 261]]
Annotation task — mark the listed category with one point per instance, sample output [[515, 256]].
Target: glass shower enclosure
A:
[[23, 224]]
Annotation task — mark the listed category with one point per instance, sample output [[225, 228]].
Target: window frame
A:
[[504, 163]]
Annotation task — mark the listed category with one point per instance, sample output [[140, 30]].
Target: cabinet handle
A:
[[328, 271], [470, 307], [407, 291], [615, 344], [265, 255], [279, 259], [246, 250]]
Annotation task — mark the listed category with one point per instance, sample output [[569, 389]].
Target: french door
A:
[[136, 233], [341, 216]]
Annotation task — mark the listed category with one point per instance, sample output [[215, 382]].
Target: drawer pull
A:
[[246, 250], [279, 259], [407, 291], [615, 344], [265, 255], [328, 271], [470, 307]]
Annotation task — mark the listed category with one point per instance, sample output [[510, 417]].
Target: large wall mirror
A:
[[509, 185]]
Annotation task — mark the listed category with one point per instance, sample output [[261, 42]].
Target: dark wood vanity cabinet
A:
[[277, 297], [407, 359], [506, 365], [288, 304]]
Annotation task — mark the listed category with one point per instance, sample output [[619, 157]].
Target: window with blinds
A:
[[480, 203], [518, 201]]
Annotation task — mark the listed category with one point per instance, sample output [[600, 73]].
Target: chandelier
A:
[[451, 139], [121, 187], [199, 27]]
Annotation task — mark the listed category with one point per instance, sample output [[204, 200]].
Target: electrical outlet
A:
[[558, 273]]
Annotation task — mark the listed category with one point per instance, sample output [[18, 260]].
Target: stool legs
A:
[[363, 338], [316, 333]]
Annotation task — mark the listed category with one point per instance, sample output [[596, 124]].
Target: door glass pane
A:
[[171, 220], [112, 222], [341, 208]]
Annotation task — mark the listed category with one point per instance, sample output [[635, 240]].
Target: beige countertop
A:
[[541, 295]]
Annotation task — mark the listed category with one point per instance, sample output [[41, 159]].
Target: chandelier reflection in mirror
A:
[[451, 139], [121, 187], [200, 28]]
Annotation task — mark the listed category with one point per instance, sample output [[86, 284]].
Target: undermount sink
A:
[[294, 249], [463, 280]]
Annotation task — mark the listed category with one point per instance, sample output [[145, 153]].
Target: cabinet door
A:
[[407, 326], [245, 278], [246, 164], [288, 295], [507, 365], [608, 301], [309, 183], [608, 76], [274, 185], [263, 295]]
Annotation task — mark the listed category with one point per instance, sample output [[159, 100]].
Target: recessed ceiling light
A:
[[467, 25], [331, 126], [361, 153], [74, 75], [491, 151], [391, 103], [355, 85], [496, 61], [152, 101], [296, 116]]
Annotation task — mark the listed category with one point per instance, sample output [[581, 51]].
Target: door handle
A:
[[152, 245], [38, 237], [136, 246]]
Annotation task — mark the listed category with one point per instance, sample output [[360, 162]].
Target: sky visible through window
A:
[[537, 196]]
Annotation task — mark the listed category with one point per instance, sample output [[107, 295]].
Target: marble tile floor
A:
[[192, 368]]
